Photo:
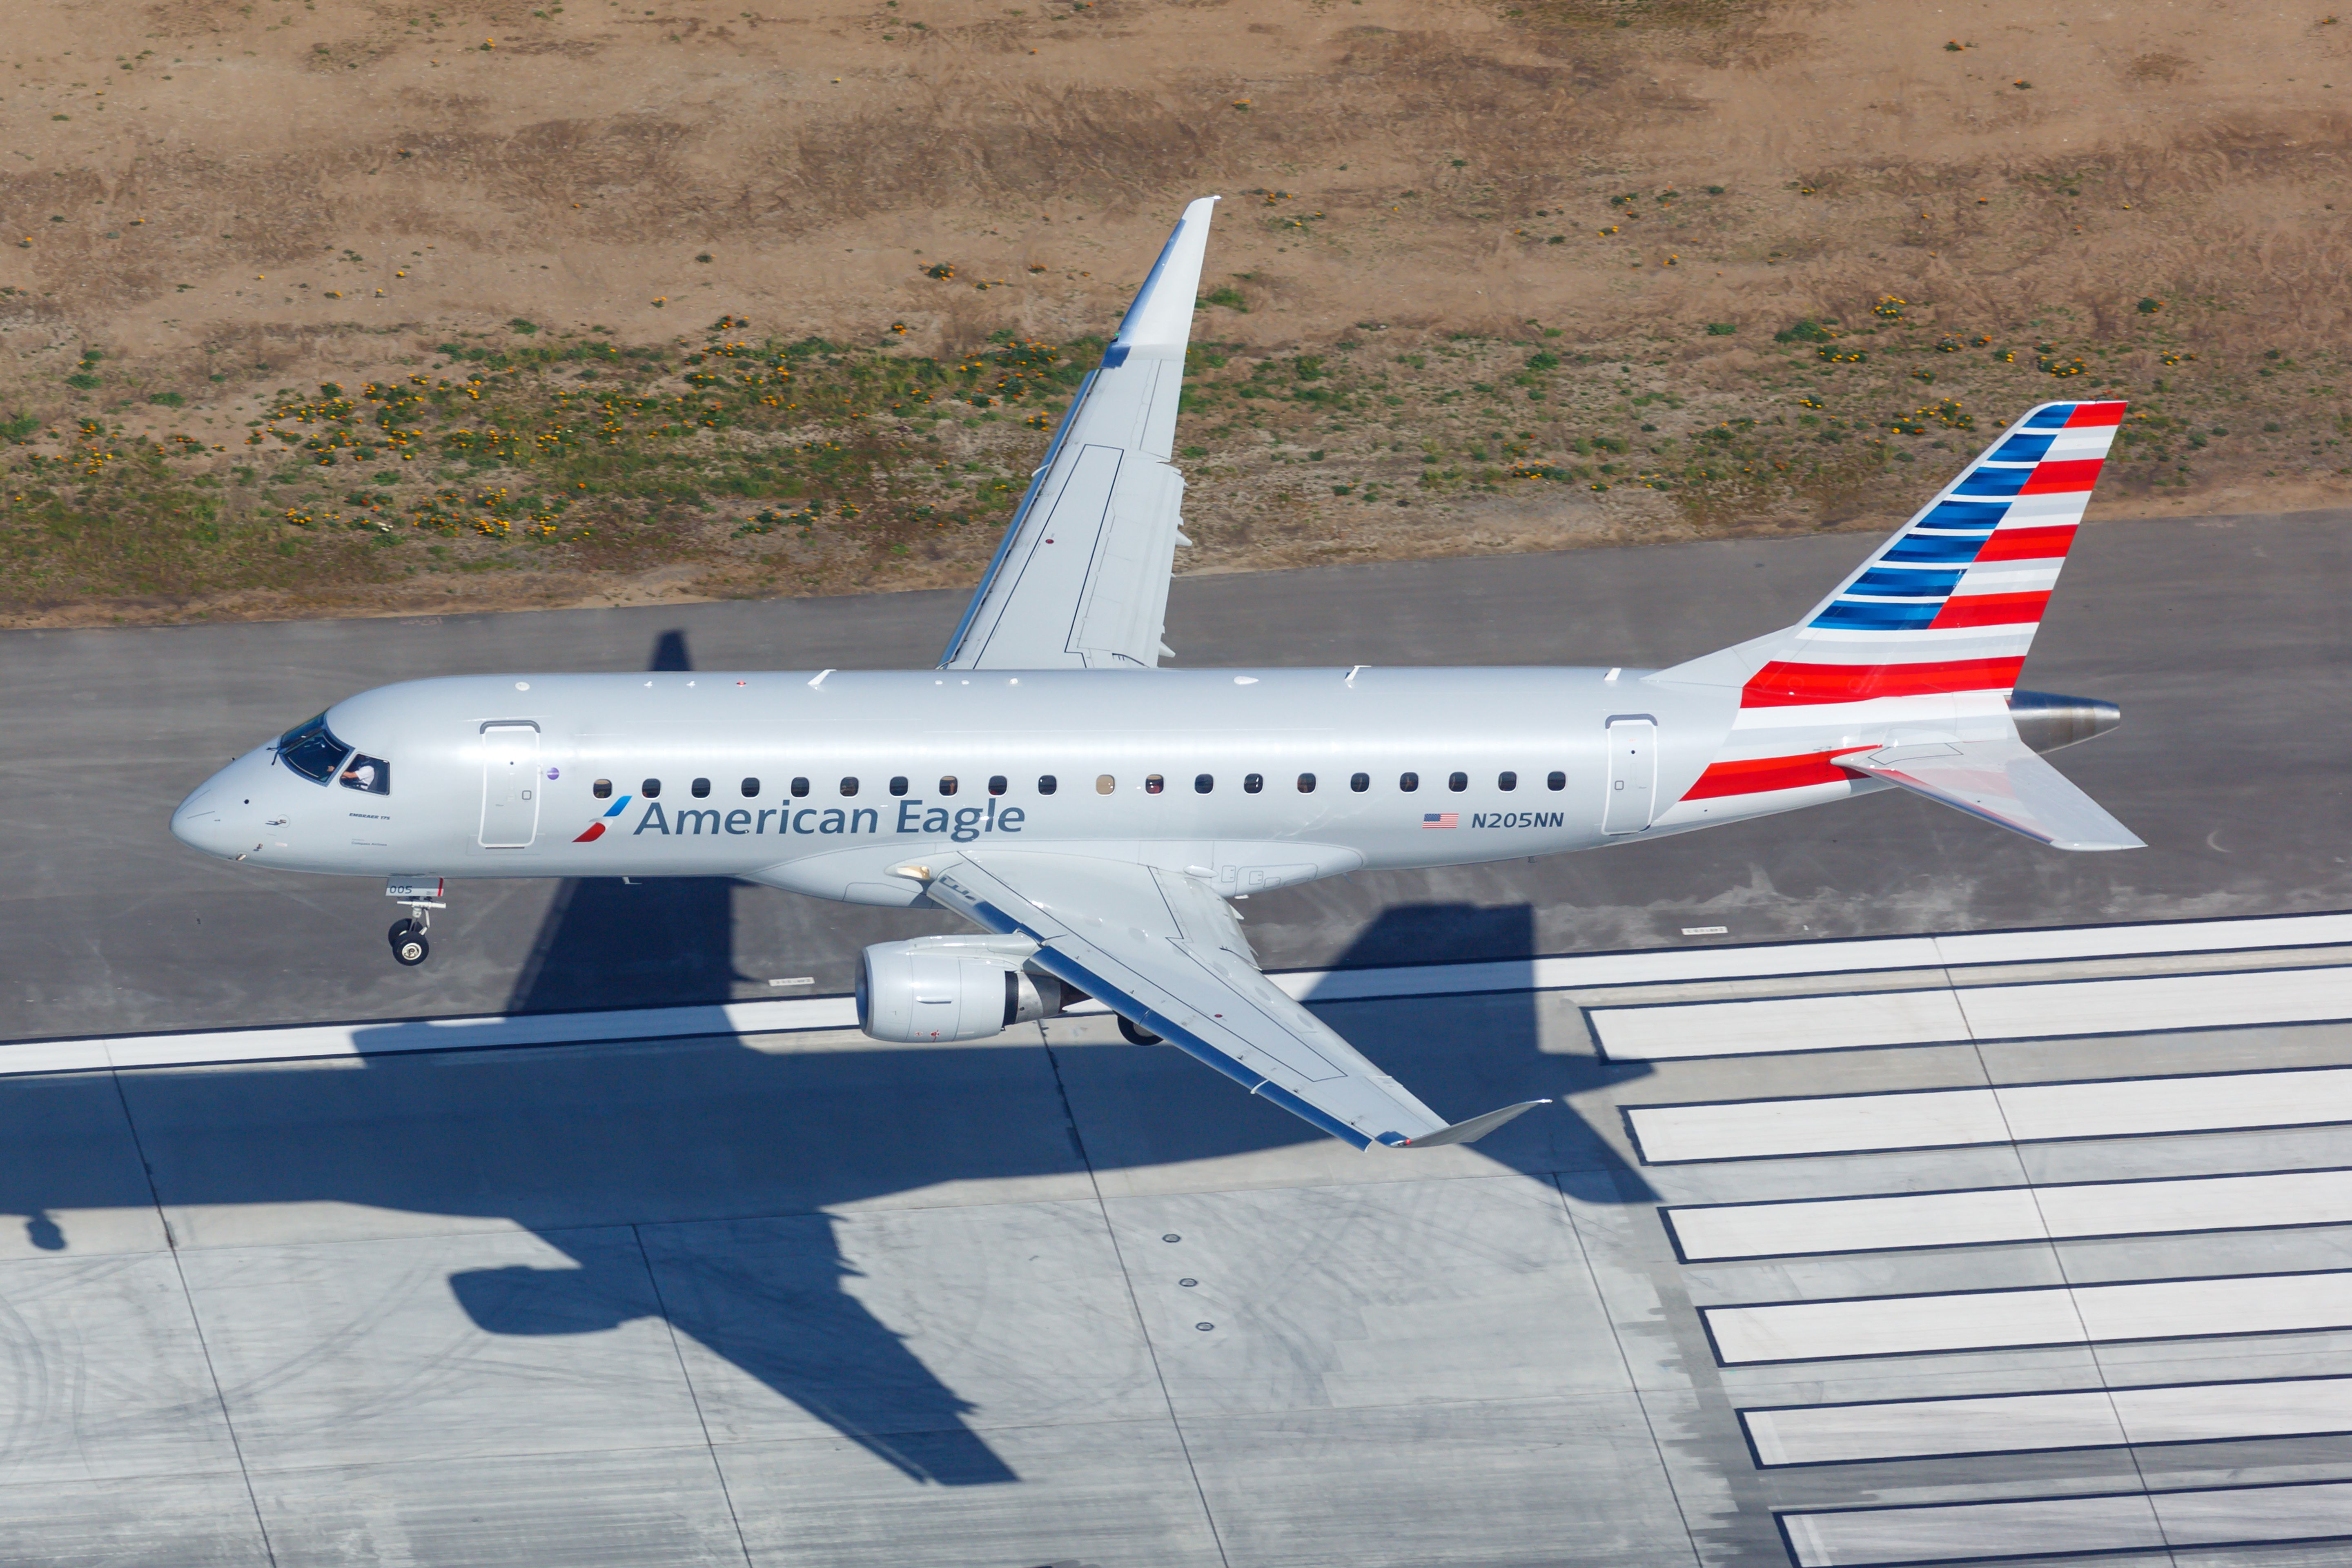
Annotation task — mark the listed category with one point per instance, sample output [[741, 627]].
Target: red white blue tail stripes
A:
[[1937, 621]]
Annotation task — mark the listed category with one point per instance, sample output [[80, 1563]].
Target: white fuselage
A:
[[573, 775]]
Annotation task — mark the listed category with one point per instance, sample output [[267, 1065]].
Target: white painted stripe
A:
[[1593, 971], [2076, 1418], [1987, 1215], [1963, 1530], [1777, 1024], [2052, 1010], [1991, 1320], [2097, 1107], [2219, 1516]]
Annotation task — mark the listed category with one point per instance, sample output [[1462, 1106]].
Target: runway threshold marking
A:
[[1944, 1321], [2044, 1010], [1574, 972], [2003, 1113], [2308, 1511], [1982, 1216], [1966, 1424]]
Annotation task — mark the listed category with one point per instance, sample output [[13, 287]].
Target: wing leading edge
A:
[[1169, 954], [1081, 579]]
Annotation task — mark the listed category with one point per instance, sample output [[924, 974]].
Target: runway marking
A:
[[2045, 1527], [2024, 1114], [2038, 1315], [2035, 1423], [1979, 1215], [2047, 1010], [1575, 972]]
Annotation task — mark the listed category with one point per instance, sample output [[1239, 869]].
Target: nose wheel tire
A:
[[1136, 1035], [409, 947]]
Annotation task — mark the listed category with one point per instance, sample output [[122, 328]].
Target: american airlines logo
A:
[[596, 828]]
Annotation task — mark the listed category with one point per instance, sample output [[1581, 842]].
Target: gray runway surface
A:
[[1054, 1299]]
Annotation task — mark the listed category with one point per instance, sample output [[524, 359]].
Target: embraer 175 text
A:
[[1093, 815]]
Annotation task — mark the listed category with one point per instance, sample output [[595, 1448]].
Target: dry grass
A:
[[276, 195]]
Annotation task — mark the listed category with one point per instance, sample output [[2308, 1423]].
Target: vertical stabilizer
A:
[[1930, 632]]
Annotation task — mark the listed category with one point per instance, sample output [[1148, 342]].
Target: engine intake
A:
[[952, 988], [2046, 722]]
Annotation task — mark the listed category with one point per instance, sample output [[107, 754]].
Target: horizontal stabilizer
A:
[[1470, 1131], [2002, 781]]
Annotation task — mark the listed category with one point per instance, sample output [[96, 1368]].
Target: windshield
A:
[[311, 750]]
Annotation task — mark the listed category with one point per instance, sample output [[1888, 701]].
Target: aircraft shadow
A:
[[596, 1154]]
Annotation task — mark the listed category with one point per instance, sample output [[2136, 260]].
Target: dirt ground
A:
[[1489, 277]]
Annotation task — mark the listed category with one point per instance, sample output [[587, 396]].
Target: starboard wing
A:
[[1081, 579], [1168, 954]]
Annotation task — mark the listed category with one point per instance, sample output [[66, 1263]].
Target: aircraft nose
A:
[[201, 822]]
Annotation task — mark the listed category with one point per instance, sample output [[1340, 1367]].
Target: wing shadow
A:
[[597, 1153]]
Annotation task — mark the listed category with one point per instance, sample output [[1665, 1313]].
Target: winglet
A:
[[1161, 316], [1469, 1132]]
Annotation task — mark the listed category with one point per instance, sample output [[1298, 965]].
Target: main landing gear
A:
[[409, 947], [1136, 1034]]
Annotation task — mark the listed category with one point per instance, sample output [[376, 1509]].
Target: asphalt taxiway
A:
[[2224, 640], [1893, 1248]]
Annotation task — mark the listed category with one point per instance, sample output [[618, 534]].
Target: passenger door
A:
[[510, 786], [1632, 774]]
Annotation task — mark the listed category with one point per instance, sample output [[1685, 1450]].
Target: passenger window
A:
[[848, 787], [1153, 784], [1556, 781], [1307, 783], [601, 789], [996, 783], [650, 789], [1047, 784], [701, 789], [1457, 783], [1360, 783], [1252, 783], [372, 775], [310, 750], [1105, 784], [1203, 783], [1506, 781], [1408, 782], [750, 789], [898, 785], [947, 785], [799, 788]]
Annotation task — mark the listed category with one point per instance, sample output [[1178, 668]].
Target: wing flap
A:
[[1169, 954], [2003, 782]]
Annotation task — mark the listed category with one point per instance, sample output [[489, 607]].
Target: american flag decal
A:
[[1439, 819]]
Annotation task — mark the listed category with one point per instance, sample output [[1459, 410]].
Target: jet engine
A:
[[953, 988]]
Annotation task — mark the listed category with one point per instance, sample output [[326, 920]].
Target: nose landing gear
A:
[[409, 947]]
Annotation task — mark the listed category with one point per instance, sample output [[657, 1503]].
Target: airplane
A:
[[1097, 817]]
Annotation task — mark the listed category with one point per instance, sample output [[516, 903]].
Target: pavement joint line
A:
[[815, 1014]]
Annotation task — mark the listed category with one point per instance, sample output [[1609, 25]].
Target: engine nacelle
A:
[[952, 988]]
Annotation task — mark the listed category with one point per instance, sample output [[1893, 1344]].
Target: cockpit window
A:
[[312, 751], [373, 775]]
